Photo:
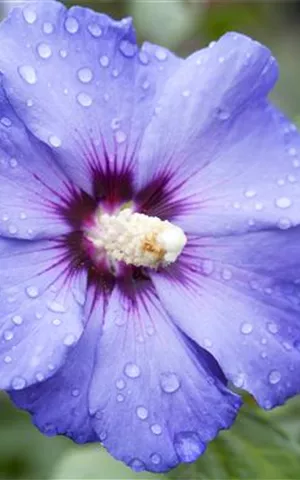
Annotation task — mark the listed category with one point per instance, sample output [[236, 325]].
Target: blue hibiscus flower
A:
[[149, 238]]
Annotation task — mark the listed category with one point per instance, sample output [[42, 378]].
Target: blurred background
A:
[[261, 445]]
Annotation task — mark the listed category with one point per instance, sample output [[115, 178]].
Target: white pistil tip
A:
[[136, 239]]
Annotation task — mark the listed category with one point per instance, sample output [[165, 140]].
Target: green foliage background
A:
[[261, 445]]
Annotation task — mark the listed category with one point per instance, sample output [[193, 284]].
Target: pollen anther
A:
[[137, 239]]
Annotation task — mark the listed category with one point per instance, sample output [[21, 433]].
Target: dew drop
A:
[[17, 320], [250, 193], [84, 99], [169, 382], [145, 85], [292, 151], [223, 114], [39, 376], [120, 398], [188, 446], [48, 28], [69, 340], [75, 392], [120, 384], [63, 53], [207, 343], [6, 121], [32, 292], [115, 73], [7, 359], [142, 413], [28, 74], [239, 380], [12, 229], [127, 48], [115, 123], [29, 102], [18, 383], [283, 202], [120, 136], [13, 162], [54, 141], [226, 274], [161, 54], [71, 25], [56, 322], [56, 307], [102, 436], [104, 61], [136, 465], [155, 458], [29, 15], [85, 75], [272, 327], [156, 429], [8, 335], [94, 30], [246, 328], [284, 223], [207, 267], [44, 50], [132, 370], [143, 57], [274, 377]]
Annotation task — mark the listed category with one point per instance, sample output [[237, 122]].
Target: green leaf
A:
[[93, 462]]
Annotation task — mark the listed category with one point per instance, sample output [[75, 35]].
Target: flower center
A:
[[137, 239]]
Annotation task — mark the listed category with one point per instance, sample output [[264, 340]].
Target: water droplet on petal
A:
[[274, 377], [223, 114], [12, 229], [104, 61], [102, 436], [56, 307], [30, 15], [283, 202], [120, 398], [161, 54], [63, 53], [115, 123], [94, 30], [7, 359], [132, 370], [250, 193], [120, 384], [28, 74], [284, 223], [54, 141], [18, 383], [8, 335], [155, 458], [85, 75], [143, 57], [246, 328], [13, 162], [48, 28], [156, 429], [127, 48], [17, 320], [29, 102], [272, 327], [44, 50], [84, 99], [169, 382], [69, 340], [136, 465], [71, 25], [188, 446], [40, 377], [142, 413], [32, 292], [207, 267], [239, 380], [120, 136], [6, 121], [75, 392], [56, 322], [226, 274]]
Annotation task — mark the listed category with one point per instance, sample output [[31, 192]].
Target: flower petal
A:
[[243, 299], [33, 188], [59, 405], [41, 311], [231, 165], [80, 84], [153, 388]]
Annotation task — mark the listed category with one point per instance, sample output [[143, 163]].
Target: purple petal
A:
[[80, 84], [32, 185], [59, 405], [230, 163], [150, 384], [239, 298], [41, 311]]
